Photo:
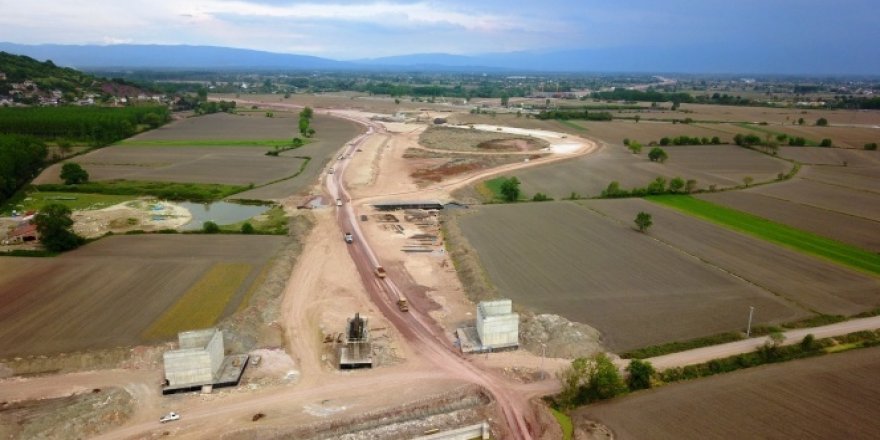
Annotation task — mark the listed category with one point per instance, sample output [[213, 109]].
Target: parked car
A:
[[170, 417]]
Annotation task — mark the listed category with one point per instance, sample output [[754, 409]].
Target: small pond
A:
[[222, 213]]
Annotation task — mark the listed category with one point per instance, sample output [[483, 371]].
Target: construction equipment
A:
[[402, 305], [349, 238], [380, 272]]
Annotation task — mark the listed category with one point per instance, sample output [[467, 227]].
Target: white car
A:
[[170, 417]]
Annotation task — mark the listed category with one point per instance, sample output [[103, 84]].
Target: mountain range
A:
[[691, 59]]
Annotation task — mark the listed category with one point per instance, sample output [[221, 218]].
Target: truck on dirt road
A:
[[380, 272], [349, 238], [402, 305]]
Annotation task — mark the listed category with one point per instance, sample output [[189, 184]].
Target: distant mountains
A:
[[692, 59]]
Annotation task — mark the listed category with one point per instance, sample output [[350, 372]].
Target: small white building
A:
[[497, 325]]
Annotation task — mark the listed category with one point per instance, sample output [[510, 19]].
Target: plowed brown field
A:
[[108, 292], [721, 165], [815, 284], [562, 258], [846, 200], [835, 396], [856, 231]]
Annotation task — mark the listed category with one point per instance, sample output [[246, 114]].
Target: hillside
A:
[[24, 79]]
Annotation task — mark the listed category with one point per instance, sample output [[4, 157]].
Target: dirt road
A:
[[706, 354]]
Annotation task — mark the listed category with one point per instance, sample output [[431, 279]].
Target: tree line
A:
[[649, 95], [21, 159], [565, 115], [95, 125]]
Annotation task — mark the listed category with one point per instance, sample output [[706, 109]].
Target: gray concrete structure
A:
[[200, 363], [198, 360], [497, 325]]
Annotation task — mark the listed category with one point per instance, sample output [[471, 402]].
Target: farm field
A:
[[721, 165], [813, 283], [834, 396], [167, 156], [223, 126], [332, 134], [853, 138], [107, 293], [831, 156], [228, 165], [856, 231], [725, 113], [561, 258], [866, 178], [644, 132], [826, 196], [778, 233]]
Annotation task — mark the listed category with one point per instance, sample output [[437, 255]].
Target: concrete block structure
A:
[[497, 325], [198, 360]]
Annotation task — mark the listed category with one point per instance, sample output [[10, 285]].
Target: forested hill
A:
[[46, 76]]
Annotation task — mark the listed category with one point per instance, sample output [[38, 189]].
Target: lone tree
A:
[[634, 147], [210, 227], [658, 154], [643, 221], [54, 223], [510, 189], [822, 122], [640, 373], [72, 173]]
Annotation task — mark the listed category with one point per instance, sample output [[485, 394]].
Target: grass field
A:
[[108, 293], [813, 283], [562, 258], [775, 232], [834, 396], [564, 423], [81, 201], [202, 305], [167, 190]]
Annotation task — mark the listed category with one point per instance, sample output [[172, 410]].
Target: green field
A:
[[35, 201], [197, 192], [564, 423], [774, 232]]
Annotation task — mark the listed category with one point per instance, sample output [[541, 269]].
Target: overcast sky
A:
[[344, 29]]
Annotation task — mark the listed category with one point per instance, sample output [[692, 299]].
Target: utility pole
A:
[[749, 328], [543, 354]]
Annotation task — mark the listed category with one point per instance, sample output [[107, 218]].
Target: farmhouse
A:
[[23, 233], [199, 363]]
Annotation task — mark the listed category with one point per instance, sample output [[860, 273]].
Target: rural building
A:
[[22, 233], [497, 325], [357, 350], [200, 362], [394, 205]]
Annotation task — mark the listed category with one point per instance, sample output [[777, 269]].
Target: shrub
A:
[[871, 147], [72, 173], [247, 228], [210, 227], [825, 143], [541, 197]]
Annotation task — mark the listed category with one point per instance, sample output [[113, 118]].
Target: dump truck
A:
[[380, 272], [402, 305]]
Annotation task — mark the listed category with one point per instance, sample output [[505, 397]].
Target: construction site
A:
[[200, 364]]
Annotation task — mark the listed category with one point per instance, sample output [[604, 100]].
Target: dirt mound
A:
[[563, 338], [77, 416], [515, 144]]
